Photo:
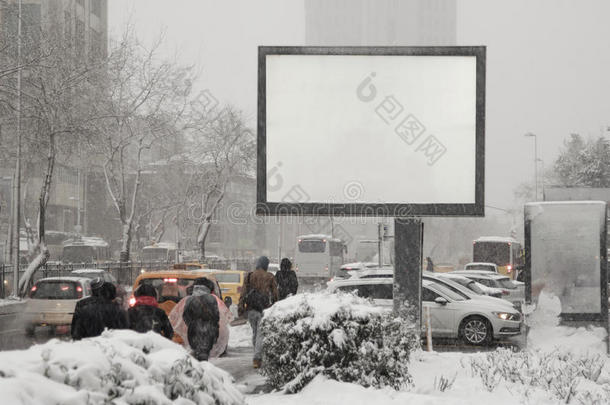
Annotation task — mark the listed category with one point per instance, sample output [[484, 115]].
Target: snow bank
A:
[[338, 335], [124, 367], [240, 336], [546, 335]]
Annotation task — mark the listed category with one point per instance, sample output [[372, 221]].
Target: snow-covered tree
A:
[[583, 163], [142, 102]]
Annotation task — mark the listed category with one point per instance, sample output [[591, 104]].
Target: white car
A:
[[452, 315], [511, 291], [441, 278], [52, 301], [491, 267]]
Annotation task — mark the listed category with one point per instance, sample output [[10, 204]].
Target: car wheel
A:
[[29, 330], [476, 330]]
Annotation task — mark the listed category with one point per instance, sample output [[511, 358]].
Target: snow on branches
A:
[[340, 336]]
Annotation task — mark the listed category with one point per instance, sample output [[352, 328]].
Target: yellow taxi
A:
[[171, 285], [231, 284]]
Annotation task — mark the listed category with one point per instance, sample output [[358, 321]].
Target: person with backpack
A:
[[146, 315], [286, 279], [97, 312], [202, 318], [258, 294]]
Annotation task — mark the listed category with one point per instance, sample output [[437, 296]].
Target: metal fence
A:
[[124, 272]]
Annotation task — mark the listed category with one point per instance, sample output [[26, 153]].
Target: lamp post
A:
[[535, 164], [542, 169]]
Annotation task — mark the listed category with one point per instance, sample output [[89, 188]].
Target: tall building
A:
[[83, 23], [380, 22]]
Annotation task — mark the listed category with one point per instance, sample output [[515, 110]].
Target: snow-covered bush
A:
[[340, 336], [566, 376], [122, 367]]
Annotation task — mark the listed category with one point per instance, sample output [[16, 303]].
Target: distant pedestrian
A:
[[97, 312], [202, 318], [430, 265], [146, 315], [259, 293], [286, 278]]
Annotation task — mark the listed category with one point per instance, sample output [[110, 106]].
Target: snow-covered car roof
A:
[[318, 236], [481, 273], [67, 278], [372, 272], [507, 239], [80, 271], [359, 265], [86, 241], [480, 264]]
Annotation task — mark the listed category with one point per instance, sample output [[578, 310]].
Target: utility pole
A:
[[17, 184]]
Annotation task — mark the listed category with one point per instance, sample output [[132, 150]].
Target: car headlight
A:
[[507, 316]]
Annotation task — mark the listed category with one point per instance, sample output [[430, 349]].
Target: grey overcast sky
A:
[[547, 64]]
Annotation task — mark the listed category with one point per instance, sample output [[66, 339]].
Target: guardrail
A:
[[124, 272]]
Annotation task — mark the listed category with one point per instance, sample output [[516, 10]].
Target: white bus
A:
[[318, 257], [159, 252], [85, 249]]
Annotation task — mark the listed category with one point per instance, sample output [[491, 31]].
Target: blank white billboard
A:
[[371, 129]]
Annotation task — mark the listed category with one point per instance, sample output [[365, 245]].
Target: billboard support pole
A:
[[408, 249]]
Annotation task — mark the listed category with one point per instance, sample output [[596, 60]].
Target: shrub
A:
[[340, 336]]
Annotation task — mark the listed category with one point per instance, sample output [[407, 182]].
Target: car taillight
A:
[[132, 301], [510, 268], [79, 291], [170, 280], [239, 290], [33, 289], [504, 292]]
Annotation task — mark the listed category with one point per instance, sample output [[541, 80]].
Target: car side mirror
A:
[[441, 301], [228, 301]]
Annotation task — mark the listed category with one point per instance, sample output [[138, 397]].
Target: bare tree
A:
[[142, 103], [53, 94], [222, 147]]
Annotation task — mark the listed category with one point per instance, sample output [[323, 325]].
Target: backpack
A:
[[255, 299]]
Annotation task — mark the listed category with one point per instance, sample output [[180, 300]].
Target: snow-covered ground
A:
[[124, 367], [240, 336]]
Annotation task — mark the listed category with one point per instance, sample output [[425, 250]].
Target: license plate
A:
[[225, 289]]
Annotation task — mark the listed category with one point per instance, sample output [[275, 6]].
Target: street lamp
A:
[[535, 164]]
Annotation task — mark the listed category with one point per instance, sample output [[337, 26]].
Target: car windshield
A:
[[374, 291], [447, 285], [484, 267], [169, 287], [57, 290], [449, 293], [472, 285], [507, 283], [227, 277]]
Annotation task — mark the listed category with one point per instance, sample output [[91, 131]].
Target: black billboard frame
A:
[[476, 209]]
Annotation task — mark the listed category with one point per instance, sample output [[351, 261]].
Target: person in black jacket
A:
[[97, 312], [286, 279], [146, 315], [201, 317]]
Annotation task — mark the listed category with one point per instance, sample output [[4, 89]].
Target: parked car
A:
[[442, 278], [481, 266], [452, 315], [511, 291], [52, 301], [121, 293], [474, 286]]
